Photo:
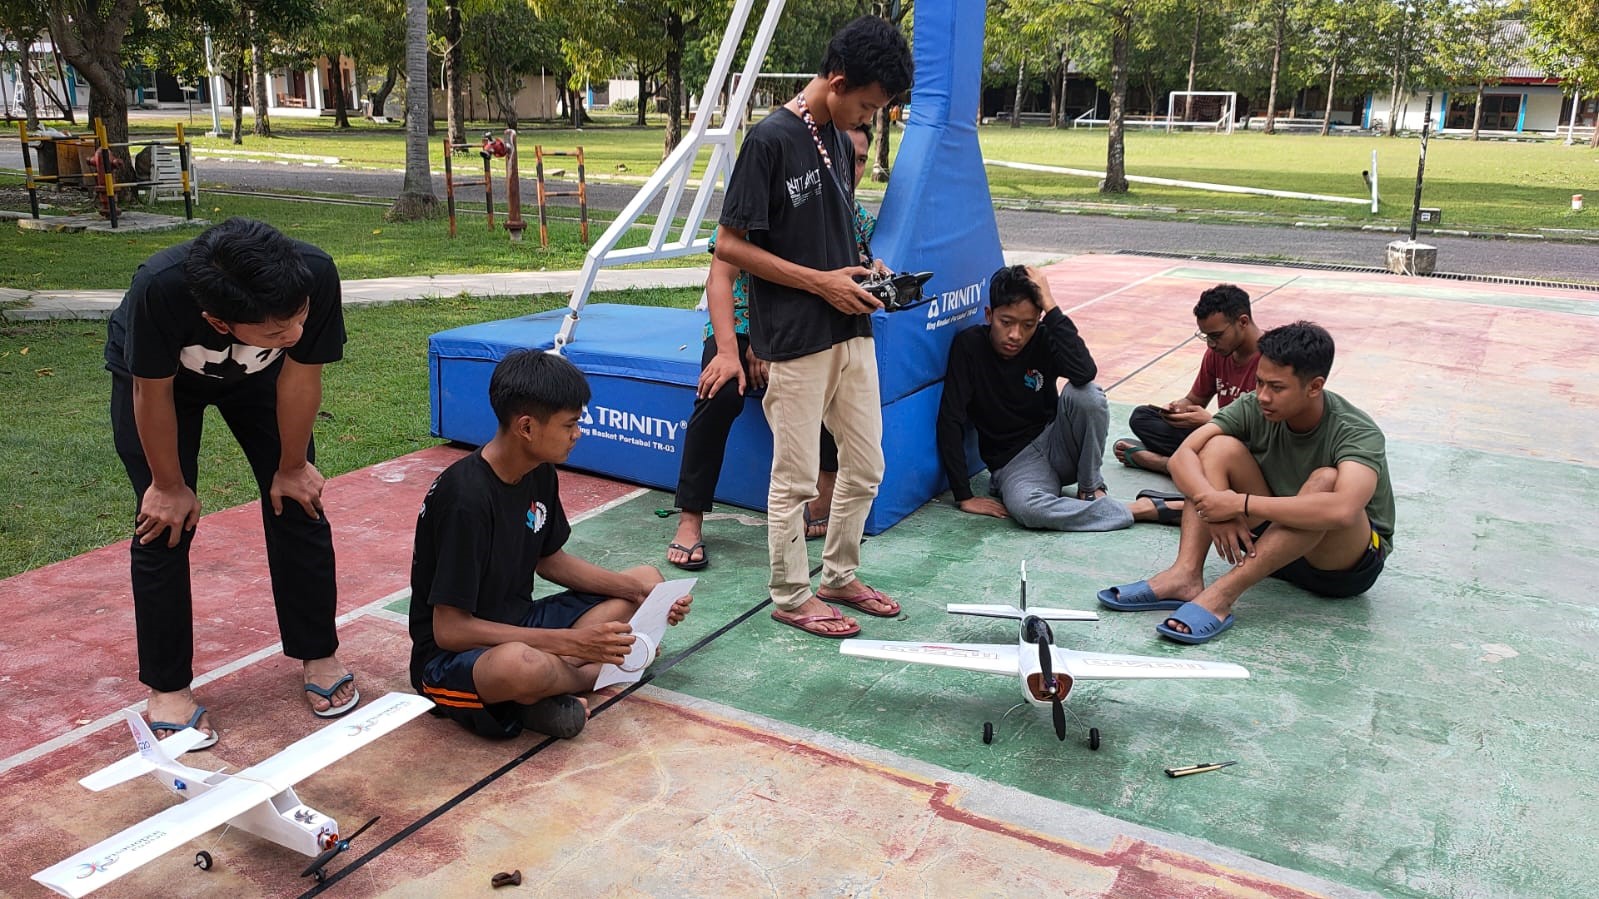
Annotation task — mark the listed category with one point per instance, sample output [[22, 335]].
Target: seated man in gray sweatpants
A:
[[1034, 439]]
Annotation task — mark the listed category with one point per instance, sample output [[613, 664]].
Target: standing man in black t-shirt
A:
[[788, 221], [483, 650], [241, 318]]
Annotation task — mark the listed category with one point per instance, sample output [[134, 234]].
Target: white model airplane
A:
[[1046, 671], [259, 799]]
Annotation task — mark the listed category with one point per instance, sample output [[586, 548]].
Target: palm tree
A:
[[416, 200]]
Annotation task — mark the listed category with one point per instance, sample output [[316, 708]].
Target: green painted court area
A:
[[1432, 738]]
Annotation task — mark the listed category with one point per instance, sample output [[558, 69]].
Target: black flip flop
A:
[[690, 565]]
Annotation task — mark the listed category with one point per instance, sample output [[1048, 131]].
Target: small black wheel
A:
[[319, 876], [1093, 738], [202, 860], [988, 731]]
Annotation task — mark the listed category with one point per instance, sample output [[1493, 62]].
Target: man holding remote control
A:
[[787, 220]]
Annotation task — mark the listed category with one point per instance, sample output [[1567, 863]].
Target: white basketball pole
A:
[[671, 179]]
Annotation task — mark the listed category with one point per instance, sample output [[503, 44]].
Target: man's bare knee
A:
[[1224, 447], [516, 672], [1322, 480]]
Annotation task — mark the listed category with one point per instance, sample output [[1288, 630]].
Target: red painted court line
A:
[[69, 650]]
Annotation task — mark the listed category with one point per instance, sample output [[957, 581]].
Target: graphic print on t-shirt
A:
[[536, 516], [237, 360], [1033, 380], [803, 187], [1226, 392]]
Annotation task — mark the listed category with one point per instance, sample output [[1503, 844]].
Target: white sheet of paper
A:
[[649, 626]]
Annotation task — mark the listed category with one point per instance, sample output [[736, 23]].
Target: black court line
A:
[[655, 670], [1134, 373]]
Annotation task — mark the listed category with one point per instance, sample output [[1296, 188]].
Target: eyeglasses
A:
[[1214, 337]]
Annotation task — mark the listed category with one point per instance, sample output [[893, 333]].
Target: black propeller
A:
[[1037, 631], [338, 847]]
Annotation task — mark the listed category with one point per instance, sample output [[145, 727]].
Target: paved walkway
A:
[[97, 304]]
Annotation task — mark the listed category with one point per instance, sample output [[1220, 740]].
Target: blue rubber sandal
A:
[[334, 711], [1202, 625], [194, 722], [1135, 598]]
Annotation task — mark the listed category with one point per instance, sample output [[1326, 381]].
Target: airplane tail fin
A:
[[152, 754]]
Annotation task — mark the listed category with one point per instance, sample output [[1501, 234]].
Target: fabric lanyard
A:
[[827, 163]]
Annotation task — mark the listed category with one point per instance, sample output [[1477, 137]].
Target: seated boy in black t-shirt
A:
[[483, 649]]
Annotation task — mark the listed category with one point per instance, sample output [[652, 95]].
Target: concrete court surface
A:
[[1431, 738]]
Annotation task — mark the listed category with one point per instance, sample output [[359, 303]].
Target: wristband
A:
[[1246, 505]]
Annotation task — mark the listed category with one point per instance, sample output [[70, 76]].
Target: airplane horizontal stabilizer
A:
[[150, 756], [987, 610]]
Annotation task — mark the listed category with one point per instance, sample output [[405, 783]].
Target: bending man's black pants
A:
[[299, 548]]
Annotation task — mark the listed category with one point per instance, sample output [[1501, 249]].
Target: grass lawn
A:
[[363, 245], [608, 142], [66, 492], [1489, 185]]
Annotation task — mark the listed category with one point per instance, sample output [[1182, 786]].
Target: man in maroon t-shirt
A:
[[1226, 373]]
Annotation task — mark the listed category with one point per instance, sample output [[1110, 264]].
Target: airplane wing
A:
[[345, 735], [111, 858], [1107, 666], [988, 658], [986, 610]]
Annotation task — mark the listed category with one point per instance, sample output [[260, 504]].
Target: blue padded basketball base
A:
[[642, 364]]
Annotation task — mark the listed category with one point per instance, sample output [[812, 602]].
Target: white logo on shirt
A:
[[237, 360], [804, 187]]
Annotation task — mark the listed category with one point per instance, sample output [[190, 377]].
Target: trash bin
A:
[[47, 158]]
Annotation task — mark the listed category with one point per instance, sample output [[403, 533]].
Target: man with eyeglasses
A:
[[1227, 372]]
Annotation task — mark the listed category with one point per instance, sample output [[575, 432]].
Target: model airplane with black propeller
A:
[[1046, 672], [259, 799]]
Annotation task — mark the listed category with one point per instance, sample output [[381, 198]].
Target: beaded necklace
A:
[[805, 113]]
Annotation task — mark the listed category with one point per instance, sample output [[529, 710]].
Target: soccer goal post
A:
[[1214, 110]]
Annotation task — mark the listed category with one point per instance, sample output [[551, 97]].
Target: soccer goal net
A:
[[1202, 111]]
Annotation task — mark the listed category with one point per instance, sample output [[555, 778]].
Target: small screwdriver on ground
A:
[[1198, 769]]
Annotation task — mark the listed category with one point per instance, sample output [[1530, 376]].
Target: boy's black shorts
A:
[[1335, 584], [447, 677]]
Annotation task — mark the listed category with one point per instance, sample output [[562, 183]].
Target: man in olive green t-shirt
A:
[[1288, 482]]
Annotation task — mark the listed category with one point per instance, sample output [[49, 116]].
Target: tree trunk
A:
[[258, 85], [380, 98], [1055, 98], [30, 100], [643, 95], [238, 99], [674, 79], [1276, 66], [1193, 64], [93, 45], [1116, 151], [1332, 84], [1065, 84], [416, 200], [1016, 102], [67, 111], [1476, 114], [882, 131], [341, 113], [454, 68]]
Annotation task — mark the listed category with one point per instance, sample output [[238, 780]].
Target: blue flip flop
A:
[[194, 722], [334, 711], [1135, 598], [1202, 625]]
